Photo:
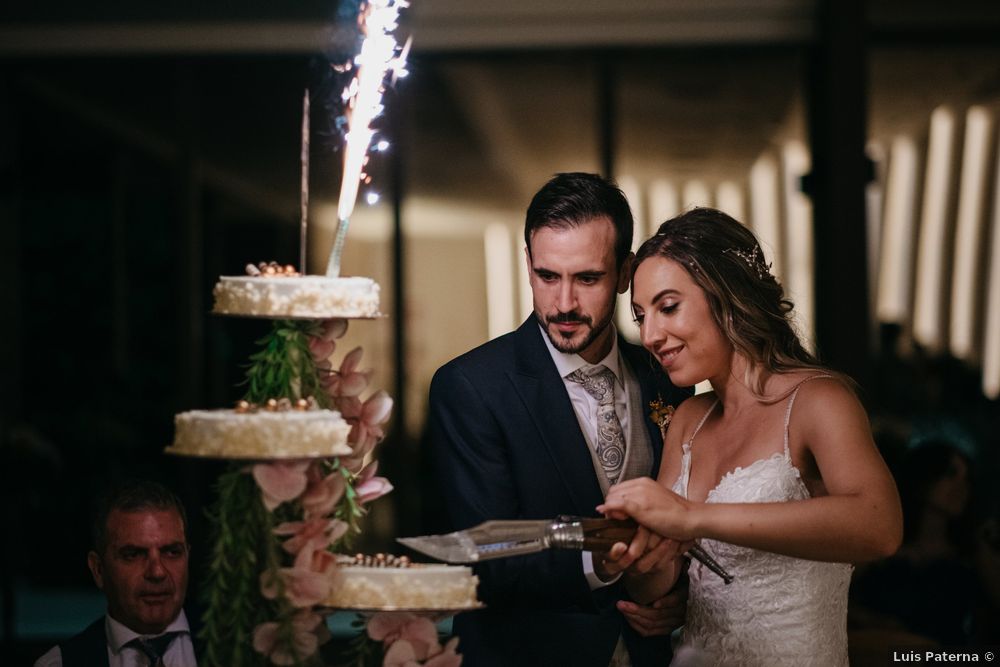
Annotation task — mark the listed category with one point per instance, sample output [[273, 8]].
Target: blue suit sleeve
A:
[[471, 448]]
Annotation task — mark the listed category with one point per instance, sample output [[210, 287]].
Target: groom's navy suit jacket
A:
[[506, 444]]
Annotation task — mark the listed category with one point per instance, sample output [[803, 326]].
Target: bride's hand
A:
[[652, 505]]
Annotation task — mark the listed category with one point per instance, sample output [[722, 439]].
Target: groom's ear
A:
[[625, 273]]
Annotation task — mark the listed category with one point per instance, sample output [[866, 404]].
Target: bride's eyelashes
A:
[[666, 309]]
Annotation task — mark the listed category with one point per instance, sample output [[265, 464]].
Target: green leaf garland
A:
[[284, 366]]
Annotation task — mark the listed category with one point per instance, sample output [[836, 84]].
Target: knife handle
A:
[[602, 534]]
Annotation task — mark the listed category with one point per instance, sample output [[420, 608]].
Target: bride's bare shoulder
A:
[[690, 412]]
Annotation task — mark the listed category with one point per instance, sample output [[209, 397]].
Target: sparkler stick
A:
[[364, 97], [304, 194]]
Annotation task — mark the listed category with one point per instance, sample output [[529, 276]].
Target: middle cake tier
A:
[[260, 434]]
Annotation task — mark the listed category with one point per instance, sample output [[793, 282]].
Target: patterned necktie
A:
[[153, 647], [599, 382]]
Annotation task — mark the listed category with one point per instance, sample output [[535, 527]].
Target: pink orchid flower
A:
[[366, 419], [307, 583], [448, 657], [348, 381], [350, 408], [305, 639], [321, 351], [368, 486], [322, 493], [400, 654], [416, 632], [319, 533], [333, 329], [280, 481]]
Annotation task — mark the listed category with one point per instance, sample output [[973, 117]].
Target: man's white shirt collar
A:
[[119, 634], [567, 363]]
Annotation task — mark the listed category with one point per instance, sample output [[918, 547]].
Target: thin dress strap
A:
[[788, 411], [701, 423]]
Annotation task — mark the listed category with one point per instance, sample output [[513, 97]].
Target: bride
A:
[[774, 472]]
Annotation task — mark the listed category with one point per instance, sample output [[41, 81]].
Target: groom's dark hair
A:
[[574, 198]]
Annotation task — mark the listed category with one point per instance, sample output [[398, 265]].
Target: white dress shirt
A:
[[585, 407], [180, 652]]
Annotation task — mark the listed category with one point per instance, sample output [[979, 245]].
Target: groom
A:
[[540, 422]]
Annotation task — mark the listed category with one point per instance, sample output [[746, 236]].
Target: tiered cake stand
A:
[[281, 509]]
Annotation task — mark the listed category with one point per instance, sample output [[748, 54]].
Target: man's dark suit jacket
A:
[[89, 648], [506, 444]]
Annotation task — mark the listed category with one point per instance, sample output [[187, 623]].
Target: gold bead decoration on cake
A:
[[271, 405], [243, 407], [272, 270], [302, 405], [380, 560]]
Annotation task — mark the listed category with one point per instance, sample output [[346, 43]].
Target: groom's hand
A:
[[622, 557], [662, 616]]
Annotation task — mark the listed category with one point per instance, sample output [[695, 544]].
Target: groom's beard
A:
[[574, 343]]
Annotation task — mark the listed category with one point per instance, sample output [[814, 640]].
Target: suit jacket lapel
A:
[[535, 378]]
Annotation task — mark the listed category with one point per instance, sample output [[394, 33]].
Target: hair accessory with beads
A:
[[754, 259]]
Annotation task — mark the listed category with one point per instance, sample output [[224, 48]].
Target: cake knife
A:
[[500, 539]]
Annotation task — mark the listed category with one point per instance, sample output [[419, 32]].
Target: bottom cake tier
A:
[[367, 582]]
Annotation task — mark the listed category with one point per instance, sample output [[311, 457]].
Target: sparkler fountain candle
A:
[[380, 54]]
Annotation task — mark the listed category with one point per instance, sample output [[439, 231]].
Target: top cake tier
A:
[[296, 297]]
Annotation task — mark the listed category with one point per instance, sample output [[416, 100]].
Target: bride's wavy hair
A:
[[747, 302]]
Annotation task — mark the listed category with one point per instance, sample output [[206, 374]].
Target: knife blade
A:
[[502, 539]]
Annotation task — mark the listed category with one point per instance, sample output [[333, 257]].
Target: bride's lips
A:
[[668, 355]]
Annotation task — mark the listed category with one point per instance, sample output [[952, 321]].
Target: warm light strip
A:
[[799, 283], [969, 231], [876, 152], [730, 199], [499, 279], [928, 323], [633, 193], [623, 310], [991, 328], [695, 193], [764, 211], [663, 202], [898, 234], [525, 297]]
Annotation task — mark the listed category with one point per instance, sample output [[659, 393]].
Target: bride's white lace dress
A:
[[778, 610]]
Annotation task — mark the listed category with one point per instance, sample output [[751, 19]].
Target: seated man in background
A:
[[139, 560]]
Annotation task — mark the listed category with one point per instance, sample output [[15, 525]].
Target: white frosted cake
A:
[[260, 434], [367, 582], [307, 297]]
